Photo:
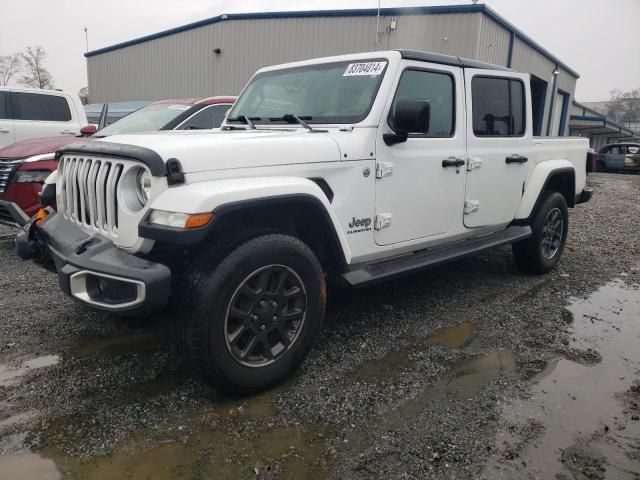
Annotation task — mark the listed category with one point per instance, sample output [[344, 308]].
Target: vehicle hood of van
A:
[[221, 150], [38, 146]]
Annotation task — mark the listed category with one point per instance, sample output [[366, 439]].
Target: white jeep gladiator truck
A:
[[358, 167]]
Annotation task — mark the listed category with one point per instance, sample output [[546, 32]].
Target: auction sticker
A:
[[368, 68]]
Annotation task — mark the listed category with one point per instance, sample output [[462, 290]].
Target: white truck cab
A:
[[31, 113], [358, 167]]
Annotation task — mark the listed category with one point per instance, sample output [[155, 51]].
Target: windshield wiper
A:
[[245, 119], [291, 118]]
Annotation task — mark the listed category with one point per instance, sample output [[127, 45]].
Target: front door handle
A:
[[4, 130], [68, 132], [452, 162], [516, 159]]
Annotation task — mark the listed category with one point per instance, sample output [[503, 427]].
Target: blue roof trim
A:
[[596, 116], [590, 118], [367, 12]]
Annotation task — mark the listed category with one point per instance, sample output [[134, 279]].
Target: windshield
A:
[[327, 93], [147, 119]]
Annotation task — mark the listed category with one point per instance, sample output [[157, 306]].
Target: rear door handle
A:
[[452, 162], [516, 159]]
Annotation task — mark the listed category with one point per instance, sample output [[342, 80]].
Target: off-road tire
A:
[[213, 282], [528, 254]]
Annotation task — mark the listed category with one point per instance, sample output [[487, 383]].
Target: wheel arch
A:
[[294, 205], [556, 176], [300, 215]]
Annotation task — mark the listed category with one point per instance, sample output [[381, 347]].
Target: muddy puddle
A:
[[457, 336], [11, 374], [576, 421], [290, 451]]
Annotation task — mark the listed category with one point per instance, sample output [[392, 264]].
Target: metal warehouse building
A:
[[218, 55]]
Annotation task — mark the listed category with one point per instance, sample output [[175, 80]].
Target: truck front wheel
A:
[[250, 318], [541, 252]]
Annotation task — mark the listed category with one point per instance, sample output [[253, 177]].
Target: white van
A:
[[31, 113]]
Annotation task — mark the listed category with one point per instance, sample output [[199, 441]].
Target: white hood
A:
[[202, 151]]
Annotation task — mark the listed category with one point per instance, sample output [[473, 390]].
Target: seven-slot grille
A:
[[8, 166], [89, 191]]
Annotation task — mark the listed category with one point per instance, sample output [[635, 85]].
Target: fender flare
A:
[[538, 181], [230, 195]]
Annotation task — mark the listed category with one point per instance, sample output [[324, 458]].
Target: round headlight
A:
[[143, 186], [135, 189]]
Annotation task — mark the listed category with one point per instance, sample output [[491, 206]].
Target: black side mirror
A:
[[410, 116]]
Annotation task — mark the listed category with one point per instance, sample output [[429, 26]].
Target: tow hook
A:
[[27, 244], [82, 247], [40, 216]]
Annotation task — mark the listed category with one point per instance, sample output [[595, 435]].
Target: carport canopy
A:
[[587, 122]]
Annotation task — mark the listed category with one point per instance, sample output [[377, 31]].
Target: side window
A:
[[42, 107], [207, 118], [498, 107], [4, 100], [437, 89]]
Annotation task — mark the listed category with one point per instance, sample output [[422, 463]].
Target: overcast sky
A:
[[597, 38]]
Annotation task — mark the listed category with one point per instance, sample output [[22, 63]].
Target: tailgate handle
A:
[[516, 159]]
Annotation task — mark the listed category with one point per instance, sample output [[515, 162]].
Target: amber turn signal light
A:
[[198, 220]]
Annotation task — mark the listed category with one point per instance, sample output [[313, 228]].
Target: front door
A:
[[499, 145], [417, 195]]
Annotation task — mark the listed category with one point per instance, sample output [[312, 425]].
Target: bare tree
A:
[[624, 106], [9, 66], [83, 93], [36, 75]]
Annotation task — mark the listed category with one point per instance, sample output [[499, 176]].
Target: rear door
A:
[[7, 134], [499, 144], [42, 115]]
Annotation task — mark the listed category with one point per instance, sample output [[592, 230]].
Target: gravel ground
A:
[[410, 379]]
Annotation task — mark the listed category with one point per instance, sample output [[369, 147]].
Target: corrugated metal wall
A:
[[183, 64], [493, 44]]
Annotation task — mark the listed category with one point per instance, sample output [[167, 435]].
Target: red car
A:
[[25, 165]]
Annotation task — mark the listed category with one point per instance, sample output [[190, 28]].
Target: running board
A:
[[368, 273]]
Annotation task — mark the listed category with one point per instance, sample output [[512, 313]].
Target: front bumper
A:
[[12, 215], [93, 271]]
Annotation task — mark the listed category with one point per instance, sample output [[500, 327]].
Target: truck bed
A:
[[573, 149]]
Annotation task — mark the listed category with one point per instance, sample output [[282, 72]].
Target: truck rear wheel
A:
[[250, 318], [541, 252]]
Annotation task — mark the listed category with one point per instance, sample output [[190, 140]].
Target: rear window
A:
[[41, 107], [498, 107]]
